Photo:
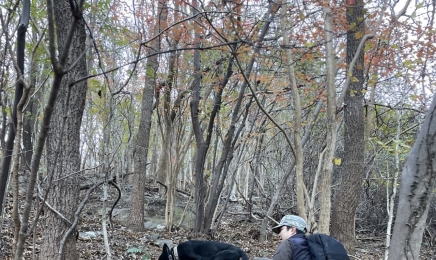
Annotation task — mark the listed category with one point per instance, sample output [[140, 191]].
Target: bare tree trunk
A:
[[163, 164], [19, 86], [201, 143], [16, 164], [141, 147], [64, 193], [106, 154], [296, 117], [344, 208], [417, 184], [142, 141], [327, 167], [154, 160], [391, 195], [58, 67], [200, 153]]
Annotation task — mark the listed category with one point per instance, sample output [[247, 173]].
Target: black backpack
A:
[[324, 247]]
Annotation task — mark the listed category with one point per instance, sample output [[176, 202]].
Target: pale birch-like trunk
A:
[[154, 161], [311, 221], [417, 183], [391, 195], [369, 111], [244, 183], [107, 176], [327, 167], [233, 193], [16, 164], [163, 163]]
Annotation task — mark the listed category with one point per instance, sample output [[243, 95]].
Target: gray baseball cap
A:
[[291, 221]]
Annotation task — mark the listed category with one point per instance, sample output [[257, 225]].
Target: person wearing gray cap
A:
[[294, 245]]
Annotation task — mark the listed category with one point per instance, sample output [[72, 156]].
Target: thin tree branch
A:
[[261, 107]]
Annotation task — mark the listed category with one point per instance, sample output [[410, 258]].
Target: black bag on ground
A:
[[324, 247]]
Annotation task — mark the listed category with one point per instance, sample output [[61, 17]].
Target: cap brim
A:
[[276, 229]]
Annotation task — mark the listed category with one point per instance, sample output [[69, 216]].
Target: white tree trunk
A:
[[417, 183], [324, 218], [391, 199]]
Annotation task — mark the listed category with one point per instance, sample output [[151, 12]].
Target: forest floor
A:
[[126, 244]]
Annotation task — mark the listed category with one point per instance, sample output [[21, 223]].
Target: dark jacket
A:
[[295, 248], [300, 247]]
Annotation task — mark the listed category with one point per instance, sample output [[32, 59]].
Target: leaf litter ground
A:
[[126, 244]]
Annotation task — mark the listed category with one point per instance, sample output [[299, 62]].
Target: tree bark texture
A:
[[142, 142], [344, 208], [202, 145], [141, 147], [417, 184], [64, 192]]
